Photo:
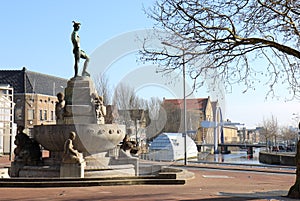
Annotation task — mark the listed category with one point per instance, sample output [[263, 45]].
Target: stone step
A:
[[39, 171], [89, 182], [109, 167]]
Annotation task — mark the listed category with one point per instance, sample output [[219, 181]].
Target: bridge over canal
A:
[[223, 147]]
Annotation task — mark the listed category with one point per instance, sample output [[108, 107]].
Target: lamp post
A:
[[184, 97], [135, 115], [216, 133], [296, 117], [184, 108]]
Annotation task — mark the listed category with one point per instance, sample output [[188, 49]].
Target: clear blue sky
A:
[[36, 35]]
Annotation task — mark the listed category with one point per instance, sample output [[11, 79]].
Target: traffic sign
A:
[[208, 124], [212, 124]]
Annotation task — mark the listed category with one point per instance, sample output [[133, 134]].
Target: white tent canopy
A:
[[170, 147]]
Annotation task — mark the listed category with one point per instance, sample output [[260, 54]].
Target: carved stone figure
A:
[[100, 110], [70, 154], [78, 53], [60, 108], [27, 150], [129, 147]]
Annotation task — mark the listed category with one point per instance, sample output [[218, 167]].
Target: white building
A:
[[7, 125], [170, 147]]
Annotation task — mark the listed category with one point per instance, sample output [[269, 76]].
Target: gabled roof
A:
[[191, 104], [24, 81]]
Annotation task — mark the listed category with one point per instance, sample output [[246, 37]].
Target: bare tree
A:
[[153, 107], [288, 134], [125, 100], [103, 87], [124, 97], [228, 37], [269, 131], [157, 118]]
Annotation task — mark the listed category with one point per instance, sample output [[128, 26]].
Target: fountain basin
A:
[[91, 138]]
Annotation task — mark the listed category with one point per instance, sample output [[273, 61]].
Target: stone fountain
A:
[[80, 111]]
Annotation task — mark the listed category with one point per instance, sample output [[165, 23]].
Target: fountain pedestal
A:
[[72, 170], [80, 107]]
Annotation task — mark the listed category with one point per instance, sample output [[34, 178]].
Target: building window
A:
[[41, 115], [30, 114], [52, 115], [45, 115], [18, 114]]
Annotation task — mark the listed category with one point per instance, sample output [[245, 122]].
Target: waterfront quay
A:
[[211, 182]]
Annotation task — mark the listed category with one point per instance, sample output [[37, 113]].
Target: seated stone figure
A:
[[70, 154]]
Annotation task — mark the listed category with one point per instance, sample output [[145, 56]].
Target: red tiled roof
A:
[[191, 104]]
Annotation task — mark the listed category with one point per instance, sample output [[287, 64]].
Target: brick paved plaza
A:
[[208, 185]]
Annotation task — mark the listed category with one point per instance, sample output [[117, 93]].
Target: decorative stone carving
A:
[[60, 108], [100, 109], [128, 147], [27, 150], [70, 154]]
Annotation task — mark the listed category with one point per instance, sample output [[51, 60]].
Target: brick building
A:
[[34, 95], [197, 110]]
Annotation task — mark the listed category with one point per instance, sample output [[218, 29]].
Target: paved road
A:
[[208, 185]]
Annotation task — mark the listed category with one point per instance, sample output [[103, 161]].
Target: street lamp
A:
[[135, 115], [184, 97]]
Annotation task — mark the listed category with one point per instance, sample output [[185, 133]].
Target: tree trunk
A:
[[294, 191]]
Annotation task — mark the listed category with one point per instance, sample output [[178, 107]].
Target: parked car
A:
[[275, 148], [291, 147]]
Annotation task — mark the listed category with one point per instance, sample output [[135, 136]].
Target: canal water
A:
[[240, 157]]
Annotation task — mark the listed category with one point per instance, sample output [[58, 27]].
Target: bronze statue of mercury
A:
[[78, 53]]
